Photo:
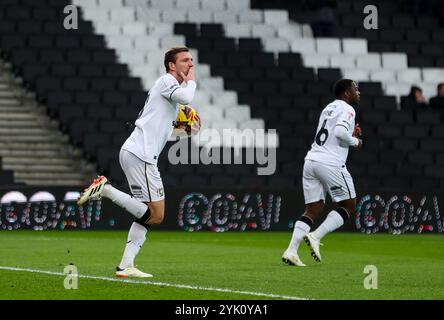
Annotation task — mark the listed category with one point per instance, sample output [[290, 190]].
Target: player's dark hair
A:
[[341, 86], [171, 56]]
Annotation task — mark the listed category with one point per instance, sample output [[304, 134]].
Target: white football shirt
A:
[[327, 148], [155, 123]]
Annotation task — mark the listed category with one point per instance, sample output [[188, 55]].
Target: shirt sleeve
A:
[[344, 128], [174, 92]]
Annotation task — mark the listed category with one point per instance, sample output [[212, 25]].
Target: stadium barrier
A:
[[218, 210]]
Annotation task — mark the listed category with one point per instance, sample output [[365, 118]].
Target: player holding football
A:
[[325, 171], [140, 152]]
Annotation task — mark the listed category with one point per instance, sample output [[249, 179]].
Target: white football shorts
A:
[[318, 179], [143, 178]]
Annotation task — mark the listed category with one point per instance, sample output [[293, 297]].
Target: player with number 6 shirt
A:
[[325, 172]]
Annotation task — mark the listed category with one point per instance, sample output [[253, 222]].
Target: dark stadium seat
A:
[[224, 45], [210, 30], [405, 144], [263, 59], [420, 158], [249, 45], [277, 73], [93, 140], [186, 29], [100, 112], [291, 60], [416, 131]]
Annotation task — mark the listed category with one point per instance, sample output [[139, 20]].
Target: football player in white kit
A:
[[140, 152], [325, 172]]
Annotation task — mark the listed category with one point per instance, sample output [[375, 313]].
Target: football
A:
[[186, 117], [187, 122]]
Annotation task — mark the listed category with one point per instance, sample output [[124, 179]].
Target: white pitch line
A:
[[162, 284]]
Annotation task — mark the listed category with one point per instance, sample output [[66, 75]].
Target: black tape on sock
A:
[[306, 220], [144, 219], [343, 213]]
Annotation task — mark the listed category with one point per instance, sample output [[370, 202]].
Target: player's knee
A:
[[156, 217], [156, 220]]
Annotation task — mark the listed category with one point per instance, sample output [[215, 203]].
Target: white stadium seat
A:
[[195, 55], [203, 71], [253, 124], [383, 75], [145, 14], [137, 3], [188, 4], [432, 75], [251, 16], [172, 41], [316, 61], [119, 42], [123, 14], [429, 90], [110, 3], [276, 45], [356, 74], [200, 16], [225, 17], [224, 124], [354, 46], [342, 61], [238, 30], [108, 29], [397, 88], [212, 84], [409, 75], [307, 31], [369, 61], [214, 5], [263, 31], [162, 4], [238, 114], [144, 70], [328, 46], [290, 31], [201, 100], [238, 5], [148, 81], [161, 29], [303, 45], [276, 17], [85, 3], [132, 57], [224, 99], [209, 113], [134, 28], [396, 61], [172, 16], [155, 57], [146, 43], [95, 14]]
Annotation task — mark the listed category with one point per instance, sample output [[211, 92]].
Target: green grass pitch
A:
[[246, 265]]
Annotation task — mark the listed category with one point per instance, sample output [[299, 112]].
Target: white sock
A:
[[331, 223], [136, 238], [300, 230], [133, 206]]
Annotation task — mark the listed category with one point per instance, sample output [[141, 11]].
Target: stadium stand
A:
[[259, 66]]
